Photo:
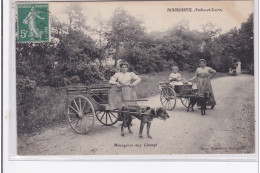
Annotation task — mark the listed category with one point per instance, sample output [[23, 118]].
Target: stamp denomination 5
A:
[[33, 22]]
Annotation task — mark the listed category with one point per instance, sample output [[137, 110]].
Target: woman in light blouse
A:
[[125, 82], [204, 74]]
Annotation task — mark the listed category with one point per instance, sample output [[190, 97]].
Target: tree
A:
[[245, 42], [125, 32], [99, 32], [77, 21], [210, 31], [237, 43]]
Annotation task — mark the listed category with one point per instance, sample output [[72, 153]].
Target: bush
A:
[[146, 65], [78, 72], [108, 72], [25, 97], [46, 106], [25, 89], [145, 61]]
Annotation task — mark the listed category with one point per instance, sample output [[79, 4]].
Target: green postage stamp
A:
[[33, 22]]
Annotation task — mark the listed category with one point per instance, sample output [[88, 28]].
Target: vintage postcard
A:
[[134, 78]]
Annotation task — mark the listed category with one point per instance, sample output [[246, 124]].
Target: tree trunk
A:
[[117, 46], [70, 25]]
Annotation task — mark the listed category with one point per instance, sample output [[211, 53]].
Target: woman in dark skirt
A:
[[204, 74]]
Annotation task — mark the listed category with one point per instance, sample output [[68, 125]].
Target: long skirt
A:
[[118, 97], [204, 85]]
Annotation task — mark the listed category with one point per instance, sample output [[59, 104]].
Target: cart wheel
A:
[[81, 115], [168, 98], [185, 101], [107, 117]]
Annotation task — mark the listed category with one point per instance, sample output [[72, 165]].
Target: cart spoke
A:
[[167, 92], [113, 115], [73, 109], [83, 107], [182, 100], [164, 93], [76, 104], [165, 96], [77, 123], [71, 119], [86, 127], [87, 120], [169, 104], [106, 117], [80, 126], [71, 113], [83, 126], [89, 115], [110, 117], [102, 116], [97, 113], [164, 101], [166, 104], [79, 104]]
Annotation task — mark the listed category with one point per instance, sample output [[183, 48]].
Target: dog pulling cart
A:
[[169, 94], [87, 102]]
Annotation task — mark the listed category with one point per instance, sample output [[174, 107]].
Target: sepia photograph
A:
[[135, 78]]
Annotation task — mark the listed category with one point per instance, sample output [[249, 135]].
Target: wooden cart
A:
[[87, 102], [169, 94]]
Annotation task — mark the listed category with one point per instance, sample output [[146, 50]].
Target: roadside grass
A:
[[48, 107]]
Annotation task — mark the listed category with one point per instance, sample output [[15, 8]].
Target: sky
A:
[[155, 15]]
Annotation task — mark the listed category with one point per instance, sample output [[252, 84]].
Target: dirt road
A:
[[228, 128]]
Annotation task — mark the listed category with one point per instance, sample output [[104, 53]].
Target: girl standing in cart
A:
[[124, 93], [204, 74]]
